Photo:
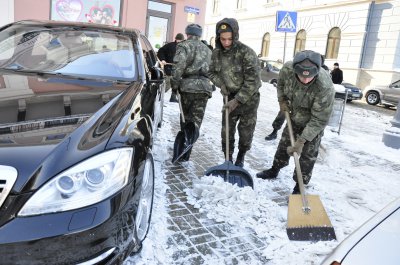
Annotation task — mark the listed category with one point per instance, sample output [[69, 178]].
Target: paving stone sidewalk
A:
[[196, 238]]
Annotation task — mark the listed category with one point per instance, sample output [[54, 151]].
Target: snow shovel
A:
[[228, 171], [307, 218], [186, 137]]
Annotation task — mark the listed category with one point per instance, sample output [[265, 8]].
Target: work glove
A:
[[284, 105], [298, 147], [231, 105], [224, 91]]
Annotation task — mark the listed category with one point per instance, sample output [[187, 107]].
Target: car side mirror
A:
[[157, 75]]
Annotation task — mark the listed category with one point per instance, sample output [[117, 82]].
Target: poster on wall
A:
[[93, 11]]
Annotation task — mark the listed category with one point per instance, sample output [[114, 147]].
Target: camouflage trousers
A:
[[308, 157], [279, 120], [244, 117], [194, 106]]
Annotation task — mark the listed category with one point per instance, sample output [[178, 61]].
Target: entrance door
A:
[[159, 16]]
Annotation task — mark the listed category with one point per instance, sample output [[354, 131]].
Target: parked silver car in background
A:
[[375, 242], [270, 70], [385, 95]]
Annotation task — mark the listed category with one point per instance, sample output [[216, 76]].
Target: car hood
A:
[[375, 87], [49, 124]]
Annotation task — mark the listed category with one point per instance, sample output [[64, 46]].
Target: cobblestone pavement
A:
[[195, 238]]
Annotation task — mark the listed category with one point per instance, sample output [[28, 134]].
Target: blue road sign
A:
[[194, 10], [286, 21]]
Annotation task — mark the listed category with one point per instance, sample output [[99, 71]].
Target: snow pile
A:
[[243, 207]]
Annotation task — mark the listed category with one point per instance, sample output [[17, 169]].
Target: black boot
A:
[[296, 189], [240, 158], [173, 97], [272, 135], [271, 173]]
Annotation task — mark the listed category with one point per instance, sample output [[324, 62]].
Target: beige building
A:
[[362, 36], [159, 20]]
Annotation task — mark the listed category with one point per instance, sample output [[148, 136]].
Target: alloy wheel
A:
[[143, 215]]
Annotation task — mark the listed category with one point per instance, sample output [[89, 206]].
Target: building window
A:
[[332, 47], [300, 44], [265, 45], [240, 4], [216, 7]]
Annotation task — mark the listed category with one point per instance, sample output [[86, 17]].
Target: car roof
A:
[[82, 25]]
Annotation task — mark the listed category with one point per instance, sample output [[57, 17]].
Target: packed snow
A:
[[355, 176]]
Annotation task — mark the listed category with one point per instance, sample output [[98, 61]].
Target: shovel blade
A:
[[232, 174], [312, 226], [179, 146]]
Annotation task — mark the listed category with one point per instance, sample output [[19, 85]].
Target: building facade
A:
[[159, 20], [362, 36]]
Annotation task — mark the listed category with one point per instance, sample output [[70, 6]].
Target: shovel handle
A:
[[180, 106], [226, 130], [306, 207]]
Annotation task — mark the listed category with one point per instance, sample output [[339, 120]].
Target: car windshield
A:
[[273, 65], [68, 51]]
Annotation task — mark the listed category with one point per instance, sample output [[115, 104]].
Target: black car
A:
[[353, 92], [79, 107]]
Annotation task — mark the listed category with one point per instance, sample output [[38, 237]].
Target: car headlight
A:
[[87, 183]]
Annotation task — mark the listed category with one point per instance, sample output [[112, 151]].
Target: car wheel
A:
[[372, 98], [274, 82], [143, 215], [349, 100]]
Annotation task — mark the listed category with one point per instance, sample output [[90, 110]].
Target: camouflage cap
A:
[[224, 28]]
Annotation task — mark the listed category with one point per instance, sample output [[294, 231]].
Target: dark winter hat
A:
[[179, 36], [224, 28], [307, 63], [194, 29], [336, 64]]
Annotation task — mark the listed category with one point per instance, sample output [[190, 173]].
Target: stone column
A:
[[391, 137]]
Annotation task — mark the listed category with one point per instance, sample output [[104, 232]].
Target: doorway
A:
[[158, 26]]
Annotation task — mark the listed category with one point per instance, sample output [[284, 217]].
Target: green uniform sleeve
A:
[[320, 113], [251, 80], [213, 73], [180, 61]]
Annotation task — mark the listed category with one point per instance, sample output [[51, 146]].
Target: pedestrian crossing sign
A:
[[286, 21]]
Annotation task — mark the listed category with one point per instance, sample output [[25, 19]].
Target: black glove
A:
[[298, 147]]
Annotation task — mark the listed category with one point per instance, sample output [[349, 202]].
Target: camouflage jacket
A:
[[311, 105], [237, 68], [191, 65]]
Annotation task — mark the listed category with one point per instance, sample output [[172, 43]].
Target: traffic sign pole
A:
[[284, 48]]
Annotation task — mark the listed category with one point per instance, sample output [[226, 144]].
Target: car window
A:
[[396, 84], [68, 51]]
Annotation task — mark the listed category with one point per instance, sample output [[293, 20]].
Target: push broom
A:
[[307, 218]]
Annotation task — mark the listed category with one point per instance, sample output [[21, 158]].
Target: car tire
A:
[[274, 82], [372, 98], [145, 203]]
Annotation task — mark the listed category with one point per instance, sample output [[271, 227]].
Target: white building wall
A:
[[317, 18], [6, 12]]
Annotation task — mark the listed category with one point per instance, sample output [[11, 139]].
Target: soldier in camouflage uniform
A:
[[308, 95], [189, 76], [236, 70]]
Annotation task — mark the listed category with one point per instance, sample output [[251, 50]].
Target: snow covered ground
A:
[[356, 177]]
